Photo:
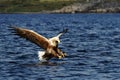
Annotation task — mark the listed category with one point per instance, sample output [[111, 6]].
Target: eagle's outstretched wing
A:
[[32, 36], [62, 32]]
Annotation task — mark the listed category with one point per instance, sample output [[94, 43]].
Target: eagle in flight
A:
[[49, 45]]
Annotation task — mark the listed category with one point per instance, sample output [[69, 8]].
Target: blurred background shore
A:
[[59, 6]]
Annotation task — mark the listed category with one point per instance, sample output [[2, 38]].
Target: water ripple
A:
[[92, 44]]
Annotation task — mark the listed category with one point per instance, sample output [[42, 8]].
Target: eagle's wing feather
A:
[[62, 32], [32, 36]]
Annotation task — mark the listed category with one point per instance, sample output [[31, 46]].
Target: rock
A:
[[106, 10], [76, 8], [87, 8]]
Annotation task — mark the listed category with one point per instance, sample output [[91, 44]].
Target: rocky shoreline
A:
[[88, 8]]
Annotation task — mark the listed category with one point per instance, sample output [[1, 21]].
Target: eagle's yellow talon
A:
[[59, 57]]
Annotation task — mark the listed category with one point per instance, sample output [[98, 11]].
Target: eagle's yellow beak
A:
[[58, 41]]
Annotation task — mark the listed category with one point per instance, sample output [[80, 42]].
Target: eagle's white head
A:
[[54, 41]]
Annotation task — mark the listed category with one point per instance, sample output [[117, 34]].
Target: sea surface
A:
[[92, 44]]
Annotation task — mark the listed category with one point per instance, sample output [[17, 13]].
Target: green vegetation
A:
[[32, 5]]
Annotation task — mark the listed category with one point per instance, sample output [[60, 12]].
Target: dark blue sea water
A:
[[92, 44]]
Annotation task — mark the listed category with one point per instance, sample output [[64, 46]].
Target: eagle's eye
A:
[[56, 42]]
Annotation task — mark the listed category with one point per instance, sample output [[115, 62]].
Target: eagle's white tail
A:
[[40, 56]]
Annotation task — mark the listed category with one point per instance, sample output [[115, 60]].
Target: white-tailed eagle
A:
[[49, 45]]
